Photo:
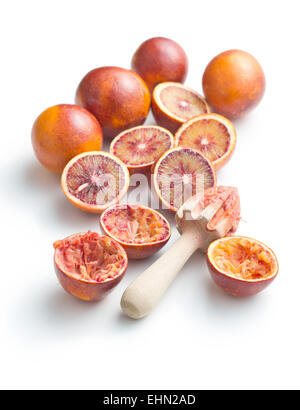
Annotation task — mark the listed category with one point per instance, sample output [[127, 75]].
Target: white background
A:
[[198, 337]]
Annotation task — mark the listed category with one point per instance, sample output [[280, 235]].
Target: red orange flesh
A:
[[211, 134], [142, 231], [174, 103], [93, 181], [89, 265], [140, 147], [241, 266], [180, 174], [63, 131]]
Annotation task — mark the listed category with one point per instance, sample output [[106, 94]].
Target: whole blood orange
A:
[[63, 131], [160, 59], [180, 174], [118, 98], [140, 147], [233, 83], [241, 266], [89, 265], [174, 103], [93, 181], [139, 229], [211, 134]]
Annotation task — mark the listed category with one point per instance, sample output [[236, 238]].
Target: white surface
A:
[[198, 337]]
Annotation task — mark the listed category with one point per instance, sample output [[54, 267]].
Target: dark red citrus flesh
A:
[[182, 174], [141, 146], [95, 179], [135, 225], [209, 136], [243, 259], [89, 257], [182, 103]]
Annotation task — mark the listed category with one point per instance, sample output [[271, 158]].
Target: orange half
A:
[[241, 266], [211, 134], [140, 147], [175, 103], [93, 181], [180, 174], [141, 230]]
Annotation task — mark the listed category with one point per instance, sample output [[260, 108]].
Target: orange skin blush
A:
[[233, 83], [63, 131], [158, 60], [118, 98]]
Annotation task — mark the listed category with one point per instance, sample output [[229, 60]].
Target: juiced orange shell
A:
[[89, 265], [142, 231], [241, 266]]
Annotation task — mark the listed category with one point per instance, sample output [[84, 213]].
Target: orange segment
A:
[[140, 147], [95, 180], [180, 174], [211, 134]]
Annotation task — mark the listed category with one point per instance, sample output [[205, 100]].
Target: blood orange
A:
[[63, 131], [118, 98], [89, 265], [233, 83], [241, 266], [181, 173], [160, 59], [211, 134], [139, 229], [140, 147], [174, 103], [93, 181]]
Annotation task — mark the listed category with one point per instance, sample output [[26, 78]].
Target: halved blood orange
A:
[[211, 134], [180, 174], [241, 266], [141, 231], [174, 103], [95, 180], [140, 147], [89, 265]]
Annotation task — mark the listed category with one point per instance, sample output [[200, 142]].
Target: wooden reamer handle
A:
[[143, 294]]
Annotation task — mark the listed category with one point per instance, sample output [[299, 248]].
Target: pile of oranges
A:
[[193, 136]]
